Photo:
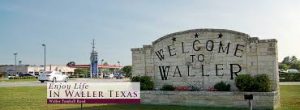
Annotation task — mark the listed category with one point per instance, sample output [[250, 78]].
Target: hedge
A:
[[168, 88], [258, 83], [145, 82], [222, 86], [289, 76]]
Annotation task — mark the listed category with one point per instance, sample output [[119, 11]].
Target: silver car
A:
[[52, 76]]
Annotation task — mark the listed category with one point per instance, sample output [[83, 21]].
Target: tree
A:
[[111, 70], [290, 63], [283, 66], [71, 63], [127, 70], [295, 65], [293, 59], [286, 60], [80, 72], [105, 63]]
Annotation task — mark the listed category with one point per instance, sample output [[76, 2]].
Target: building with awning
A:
[[37, 69]]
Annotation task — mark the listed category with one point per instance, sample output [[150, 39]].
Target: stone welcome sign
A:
[[204, 57]]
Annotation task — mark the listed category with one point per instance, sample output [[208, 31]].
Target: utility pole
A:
[[44, 45], [15, 62]]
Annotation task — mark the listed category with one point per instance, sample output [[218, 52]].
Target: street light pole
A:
[[100, 70], [15, 62], [119, 65], [44, 45]]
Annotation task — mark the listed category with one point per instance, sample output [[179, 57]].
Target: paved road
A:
[[289, 83], [37, 83]]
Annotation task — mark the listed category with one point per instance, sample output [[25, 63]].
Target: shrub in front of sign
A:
[[168, 88], [222, 86], [136, 79], [145, 82], [262, 83], [258, 83], [244, 82]]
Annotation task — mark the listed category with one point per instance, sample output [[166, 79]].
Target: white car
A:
[[111, 76], [52, 76]]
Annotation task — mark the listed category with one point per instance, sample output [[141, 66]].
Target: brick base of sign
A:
[[261, 100]]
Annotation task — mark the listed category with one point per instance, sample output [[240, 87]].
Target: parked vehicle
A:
[[292, 71], [111, 76], [118, 75], [11, 76], [52, 76], [106, 76], [25, 74]]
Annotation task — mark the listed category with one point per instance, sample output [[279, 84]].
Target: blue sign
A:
[[95, 69]]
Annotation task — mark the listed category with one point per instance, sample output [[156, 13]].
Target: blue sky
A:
[[67, 27]]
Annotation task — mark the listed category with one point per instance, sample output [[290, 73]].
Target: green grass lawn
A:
[[34, 98], [290, 97]]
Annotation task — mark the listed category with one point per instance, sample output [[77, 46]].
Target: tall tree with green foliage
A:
[[81, 72], [290, 63], [127, 70], [105, 63], [295, 65], [293, 59], [284, 66], [286, 60]]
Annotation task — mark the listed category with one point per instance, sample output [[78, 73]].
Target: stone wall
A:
[[204, 57], [261, 100]]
